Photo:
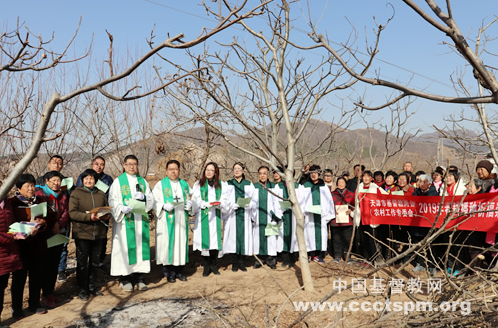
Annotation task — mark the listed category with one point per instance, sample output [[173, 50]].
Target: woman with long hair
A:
[[210, 197]]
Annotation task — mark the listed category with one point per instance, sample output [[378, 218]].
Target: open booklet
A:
[[36, 210], [272, 230], [243, 202], [285, 205], [315, 209], [101, 186], [67, 184], [101, 211], [22, 227], [57, 239]]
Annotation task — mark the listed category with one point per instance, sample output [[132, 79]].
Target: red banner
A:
[[477, 212]]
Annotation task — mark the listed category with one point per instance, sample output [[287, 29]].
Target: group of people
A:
[[27, 254], [236, 217], [441, 182]]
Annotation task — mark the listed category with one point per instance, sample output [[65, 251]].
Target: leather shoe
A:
[[181, 277], [171, 279], [214, 270], [83, 295]]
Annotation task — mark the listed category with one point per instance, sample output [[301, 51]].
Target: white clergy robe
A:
[[237, 225], [286, 241], [120, 251], [171, 227], [267, 203], [207, 231], [372, 189], [316, 227]]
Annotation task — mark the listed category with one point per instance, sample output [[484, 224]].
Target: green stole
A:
[[317, 218], [263, 216], [130, 222], [287, 218], [170, 217], [205, 217], [239, 215]]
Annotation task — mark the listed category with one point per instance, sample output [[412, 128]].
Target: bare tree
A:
[[389, 136], [24, 55], [443, 21], [266, 111]]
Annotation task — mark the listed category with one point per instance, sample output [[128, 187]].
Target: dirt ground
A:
[[236, 297]]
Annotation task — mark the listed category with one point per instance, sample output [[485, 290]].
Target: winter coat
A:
[[429, 192], [489, 181], [458, 189], [57, 210], [82, 199], [32, 244], [10, 260], [105, 178], [345, 199]]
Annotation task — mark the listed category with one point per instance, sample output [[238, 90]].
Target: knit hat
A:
[[485, 164]]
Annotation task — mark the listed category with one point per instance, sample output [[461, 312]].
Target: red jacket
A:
[[10, 260], [346, 199], [34, 244], [59, 213]]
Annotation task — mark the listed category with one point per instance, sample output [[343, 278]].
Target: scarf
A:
[[49, 192], [27, 201], [451, 190]]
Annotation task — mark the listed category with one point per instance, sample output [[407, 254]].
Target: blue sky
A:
[[408, 41]]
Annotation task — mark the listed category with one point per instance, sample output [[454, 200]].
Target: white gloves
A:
[[126, 209], [250, 206], [273, 223], [235, 207], [139, 196], [188, 207], [168, 207], [204, 205]]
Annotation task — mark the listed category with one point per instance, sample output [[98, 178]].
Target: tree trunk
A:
[[296, 209], [33, 149]]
